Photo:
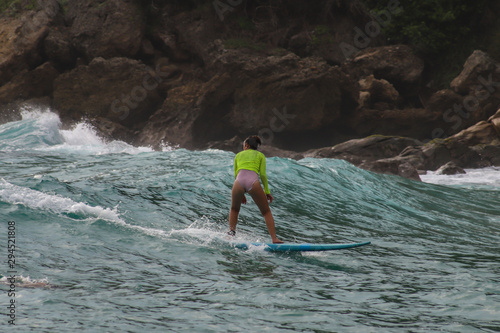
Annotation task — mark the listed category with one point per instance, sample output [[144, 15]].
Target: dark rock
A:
[[489, 154], [410, 122], [111, 130], [442, 100], [58, 48], [275, 96], [167, 42], [206, 92], [29, 84], [234, 144], [380, 92], [114, 28], [392, 166], [495, 121], [364, 150], [396, 64], [379, 154], [271, 151], [120, 89], [173, 123], [189, 37], [21, 42], [407, 170], [450, 168], [312, 93], [478, 65], [481, 133], [441, 152]]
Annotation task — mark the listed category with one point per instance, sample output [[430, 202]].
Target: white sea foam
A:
[[81, 138], [208, 233], [26, 281], [57, 204], [473, 177]]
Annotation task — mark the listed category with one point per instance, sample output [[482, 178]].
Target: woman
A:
[[248, 165]]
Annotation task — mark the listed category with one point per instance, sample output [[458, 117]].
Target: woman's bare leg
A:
[[237, 194], [259, 197]]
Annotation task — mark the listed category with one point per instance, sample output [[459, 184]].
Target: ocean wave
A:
[[40, 129], [17, 195]]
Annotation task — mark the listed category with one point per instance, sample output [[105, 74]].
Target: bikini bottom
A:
[[247, 178]]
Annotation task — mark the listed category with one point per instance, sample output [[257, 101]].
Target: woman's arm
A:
[[263, 175]]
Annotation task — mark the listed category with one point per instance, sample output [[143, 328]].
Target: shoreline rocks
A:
[[192, 81]]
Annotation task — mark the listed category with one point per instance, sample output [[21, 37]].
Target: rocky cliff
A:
[[200, 74]]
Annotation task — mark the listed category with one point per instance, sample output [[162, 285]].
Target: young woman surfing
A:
[[248, 165]]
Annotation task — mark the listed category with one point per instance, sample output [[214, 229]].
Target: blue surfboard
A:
[[289, 247]]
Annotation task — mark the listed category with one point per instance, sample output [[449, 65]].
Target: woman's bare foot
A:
[[277, 241]]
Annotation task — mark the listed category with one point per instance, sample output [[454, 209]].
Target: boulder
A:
[[481, 133], [364, 150], [495, 121], [111, 130], [173, 123], [439, 152], [168, 42], [381, 94], [479, 69], [489, 154], [21, 40], [395, 63], [58, 48], [433, 155], [478, 84], [29, 84], [120, 89], [392, 166], [113, 28], [442, 100], [234, 144], [271, 151], [450, 168], [188, 36]]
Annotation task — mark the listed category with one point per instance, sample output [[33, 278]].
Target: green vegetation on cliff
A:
[[11, 7], [443, 32]]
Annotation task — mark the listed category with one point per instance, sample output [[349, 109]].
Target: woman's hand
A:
[[270, 198]]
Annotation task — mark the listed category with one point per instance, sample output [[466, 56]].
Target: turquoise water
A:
[[126, 239]]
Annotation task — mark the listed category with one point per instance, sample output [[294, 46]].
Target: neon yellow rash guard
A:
[[252, 160]]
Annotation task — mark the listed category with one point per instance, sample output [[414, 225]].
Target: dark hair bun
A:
[[253, 141]]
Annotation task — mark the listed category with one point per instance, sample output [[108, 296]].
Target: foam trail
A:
[[14, 194], [208, 233]]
